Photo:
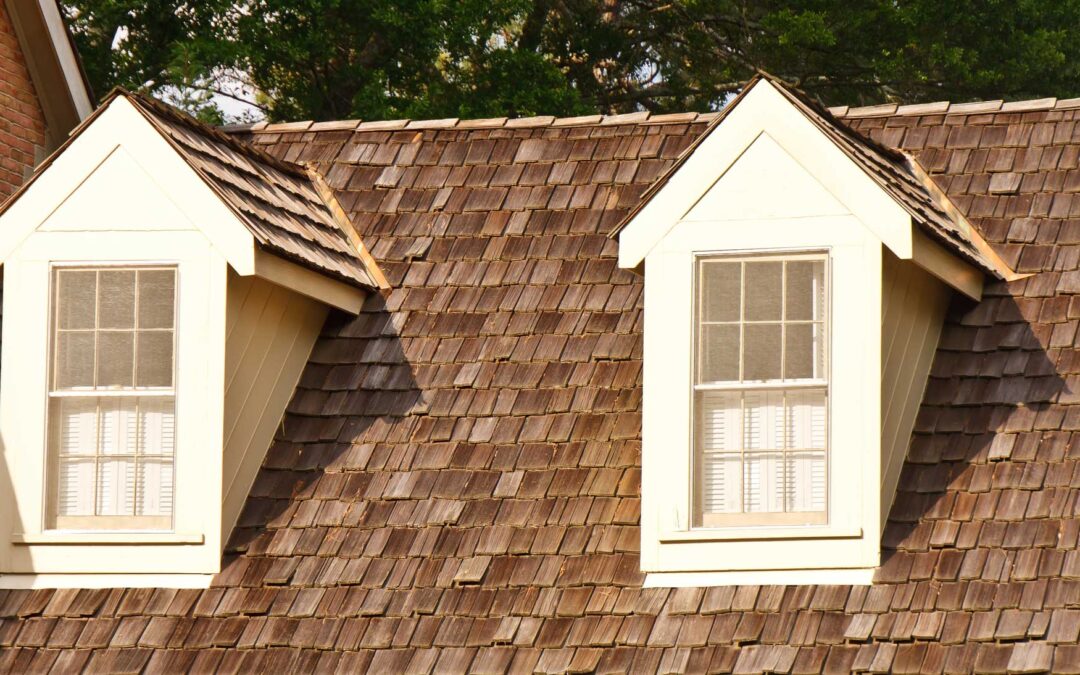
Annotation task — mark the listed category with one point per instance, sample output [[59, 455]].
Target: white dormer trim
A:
[[120, 142], [121, 125], [763, 113], [763, 110]]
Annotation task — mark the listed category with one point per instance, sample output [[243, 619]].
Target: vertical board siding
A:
[[269, 335], [913, 311]]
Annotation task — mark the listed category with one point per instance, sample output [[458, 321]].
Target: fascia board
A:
[[122, 125], [69, 60], [764, 110], [309, 283]]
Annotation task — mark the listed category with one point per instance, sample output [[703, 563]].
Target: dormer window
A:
[[112, 401], [761, 390], [163, 288], [796, 281]]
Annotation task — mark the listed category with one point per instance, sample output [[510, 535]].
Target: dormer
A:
[[163, 287], [797, 277]]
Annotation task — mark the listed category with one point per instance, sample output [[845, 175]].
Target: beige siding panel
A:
[[246, 298], [272, 332], [913, 311]]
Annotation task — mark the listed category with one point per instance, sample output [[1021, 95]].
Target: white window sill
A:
[[762, 533], [859, 576], [128, 538]]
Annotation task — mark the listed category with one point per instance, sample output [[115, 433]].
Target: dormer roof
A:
[[894, 171], [287, 208]]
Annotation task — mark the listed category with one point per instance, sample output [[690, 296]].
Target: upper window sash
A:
[[772, 331]]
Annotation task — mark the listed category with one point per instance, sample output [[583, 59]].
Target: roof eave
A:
[[55, 68]]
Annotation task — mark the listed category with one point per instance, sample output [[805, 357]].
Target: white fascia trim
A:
[[859, 576], [69, 62], [32, 581]]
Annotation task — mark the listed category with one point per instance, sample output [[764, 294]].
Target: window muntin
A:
[[112, 397], [761, 390]]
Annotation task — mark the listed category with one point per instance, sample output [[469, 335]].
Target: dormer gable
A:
[[164, 286], [797, 277]]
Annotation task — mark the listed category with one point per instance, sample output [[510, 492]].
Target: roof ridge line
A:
[[644, 117], [957, 108]]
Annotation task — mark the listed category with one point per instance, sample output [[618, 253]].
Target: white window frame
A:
[[193, 544], [846, 548], [760, 519], [96, 522]]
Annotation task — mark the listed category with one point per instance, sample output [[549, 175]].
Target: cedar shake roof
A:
[[456, 484]]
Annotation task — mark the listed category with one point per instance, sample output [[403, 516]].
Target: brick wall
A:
[[22, 123]]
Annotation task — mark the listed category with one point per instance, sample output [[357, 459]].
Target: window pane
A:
[[156, 426], [761, 358], [806, 428], [804, 355], [116, 299], [157, 294], [75, 297], [722, 483], [155, 486], [155, 359], [720, 290], [719, 353], [75, 421], [805, 290], [115, 359], [118, 426], [805, 481], [763, 291], [763, 476], [76, 487], [74, 360], [763, 420], [116, 487]]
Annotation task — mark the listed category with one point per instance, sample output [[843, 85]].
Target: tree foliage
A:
[[333, 59]]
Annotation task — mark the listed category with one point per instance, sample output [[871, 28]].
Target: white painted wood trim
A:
[[308, 282], [765, 110], [858, 576], [121, 125], [930, 256], [763, 533]]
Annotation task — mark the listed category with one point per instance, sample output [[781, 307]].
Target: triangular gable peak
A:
[[774, 155], [138, 164]]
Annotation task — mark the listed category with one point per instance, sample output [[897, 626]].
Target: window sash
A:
[[703, 387]]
